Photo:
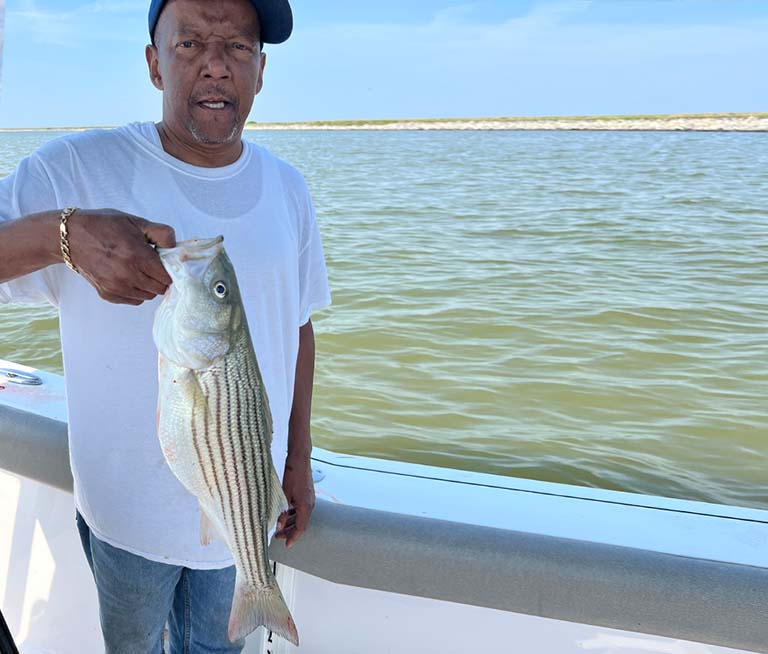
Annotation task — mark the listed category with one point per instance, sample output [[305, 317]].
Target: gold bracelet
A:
[[65, 237]]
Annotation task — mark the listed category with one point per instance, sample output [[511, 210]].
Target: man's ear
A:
[[154, 67], [260, 81]]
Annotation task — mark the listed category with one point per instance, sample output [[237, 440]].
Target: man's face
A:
[[207, 62]]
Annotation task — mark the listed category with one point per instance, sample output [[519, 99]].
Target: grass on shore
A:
[[510, 119]]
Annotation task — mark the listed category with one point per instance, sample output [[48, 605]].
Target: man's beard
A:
[[205, 139]]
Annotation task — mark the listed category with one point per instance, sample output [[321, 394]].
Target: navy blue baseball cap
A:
[[275, 19]]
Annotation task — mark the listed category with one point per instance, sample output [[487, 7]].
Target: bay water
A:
[[587, 308]]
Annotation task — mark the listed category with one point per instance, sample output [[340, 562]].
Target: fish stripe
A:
[[237, 467], [248, 446], [238, 417], [245, 471], [258, 449], [248, 456], [223, 452], [209, 458]]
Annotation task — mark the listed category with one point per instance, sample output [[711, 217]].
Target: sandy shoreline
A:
[[676, 123], [739, 124]]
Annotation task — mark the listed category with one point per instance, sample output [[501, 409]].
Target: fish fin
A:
[[208, 528], [254, 607], [278, 502]]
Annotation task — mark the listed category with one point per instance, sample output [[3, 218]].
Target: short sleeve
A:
[[27, 190], [314, 293]]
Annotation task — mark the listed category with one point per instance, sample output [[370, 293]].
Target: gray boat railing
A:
[[637, 590]]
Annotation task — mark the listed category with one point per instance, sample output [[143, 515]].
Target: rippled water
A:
[[580, 307]]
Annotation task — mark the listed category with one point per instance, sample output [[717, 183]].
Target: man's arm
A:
[[109, 248], [29, 244], [297, 477]]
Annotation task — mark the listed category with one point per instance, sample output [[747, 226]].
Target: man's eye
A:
[[242, 46], [187, 44]]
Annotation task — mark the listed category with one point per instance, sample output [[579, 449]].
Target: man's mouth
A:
[[216, 105]]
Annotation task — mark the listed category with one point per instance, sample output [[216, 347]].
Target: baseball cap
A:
[[275, 18]]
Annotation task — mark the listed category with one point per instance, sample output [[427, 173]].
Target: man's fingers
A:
[[160, 235], [295, 525], [152, 267], [119, 299], [286, 524], [151, 285], [140, 294], [128, 292]]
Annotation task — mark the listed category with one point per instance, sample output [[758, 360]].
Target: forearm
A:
[[29, 244], [299, 438]]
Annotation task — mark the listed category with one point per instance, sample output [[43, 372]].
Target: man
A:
[[189, 176]]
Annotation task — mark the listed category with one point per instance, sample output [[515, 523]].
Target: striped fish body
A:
[[215, 427]]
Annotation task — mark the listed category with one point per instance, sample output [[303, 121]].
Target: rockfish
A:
[[215, 426]]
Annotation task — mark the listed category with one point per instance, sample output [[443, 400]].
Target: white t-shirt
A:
[[123, 486]]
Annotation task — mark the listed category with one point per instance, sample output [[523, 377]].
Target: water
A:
[[580, 307]]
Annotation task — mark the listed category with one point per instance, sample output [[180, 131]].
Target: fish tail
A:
[[252, 607]]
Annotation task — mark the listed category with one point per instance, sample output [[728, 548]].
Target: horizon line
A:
[[497, 119]]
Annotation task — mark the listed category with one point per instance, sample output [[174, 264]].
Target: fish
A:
[[215, 427]]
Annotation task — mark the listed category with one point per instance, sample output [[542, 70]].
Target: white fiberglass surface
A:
[[338, 619], [684, 528], [49, 601], [47, 400]]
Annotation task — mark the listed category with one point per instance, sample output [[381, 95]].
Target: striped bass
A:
[[215, 426]]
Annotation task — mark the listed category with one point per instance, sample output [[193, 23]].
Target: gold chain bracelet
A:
[[65, 237]]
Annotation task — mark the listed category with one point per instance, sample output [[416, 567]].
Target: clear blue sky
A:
[[81, 62]]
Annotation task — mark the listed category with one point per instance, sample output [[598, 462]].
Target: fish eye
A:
[[220, 290]]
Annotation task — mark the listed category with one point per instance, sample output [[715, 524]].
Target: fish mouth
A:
[[190, 259], [195, 248]]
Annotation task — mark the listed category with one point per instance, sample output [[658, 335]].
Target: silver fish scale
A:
[[232, 440]]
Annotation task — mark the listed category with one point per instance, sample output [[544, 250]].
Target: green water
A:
[[580, 307]]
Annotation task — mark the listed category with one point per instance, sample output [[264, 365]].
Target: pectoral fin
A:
[[278, 502], [208, 528]]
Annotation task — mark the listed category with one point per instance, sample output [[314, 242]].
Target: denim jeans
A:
[[137, 596]]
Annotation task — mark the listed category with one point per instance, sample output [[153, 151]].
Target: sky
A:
[[81, 62]]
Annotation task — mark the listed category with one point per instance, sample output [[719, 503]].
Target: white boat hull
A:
[[48, 597]]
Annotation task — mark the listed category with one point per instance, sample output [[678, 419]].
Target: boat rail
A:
[[718, 602]]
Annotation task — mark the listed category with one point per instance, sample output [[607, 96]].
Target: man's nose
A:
[[216, 61]]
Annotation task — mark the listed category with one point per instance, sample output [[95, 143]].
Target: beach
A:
[[685, 122]]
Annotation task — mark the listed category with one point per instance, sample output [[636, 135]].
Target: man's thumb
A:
[[160, 235]]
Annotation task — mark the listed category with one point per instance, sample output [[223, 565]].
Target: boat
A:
[[400, 557]]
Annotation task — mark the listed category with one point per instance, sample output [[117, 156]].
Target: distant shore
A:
[[727, 122], [757, 122]]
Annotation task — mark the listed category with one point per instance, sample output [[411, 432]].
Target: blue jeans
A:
[[137, 596]]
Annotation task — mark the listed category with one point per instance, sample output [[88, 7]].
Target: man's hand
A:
[[112, 251], [300, 493]]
